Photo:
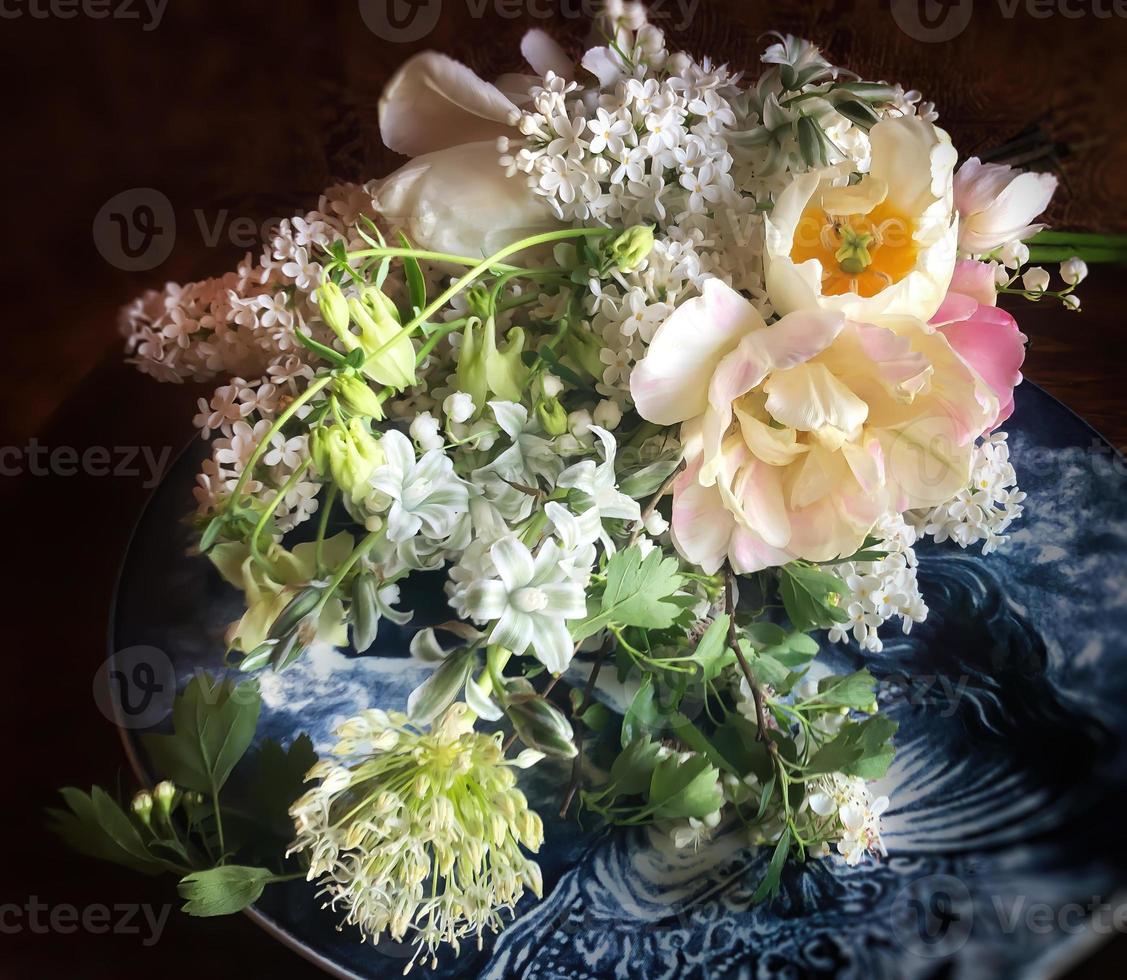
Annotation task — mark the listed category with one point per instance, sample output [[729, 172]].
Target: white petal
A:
[[459, 200], [670, 384], [514, 630], [514, 563], [552, 644], [481, 703], [544, 54], [486, 600], [434, 102], [425, 647]]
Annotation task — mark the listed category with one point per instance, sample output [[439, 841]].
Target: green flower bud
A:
[[334, 307], [357, 396], [300, 606], [542, 726], [164, 793], [365, 611], [438, 691], [631, 248], [582, 348], [389, 350], [552, 415], [353, 454], [485, 368], [319, 449], [142, 807]]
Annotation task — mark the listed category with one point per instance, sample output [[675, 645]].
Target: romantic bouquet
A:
[[666, 367]]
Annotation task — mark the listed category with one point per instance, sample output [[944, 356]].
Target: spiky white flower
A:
[[419, 833], [421, 495]]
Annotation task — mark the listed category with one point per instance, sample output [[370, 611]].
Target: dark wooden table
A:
[[247, 111]]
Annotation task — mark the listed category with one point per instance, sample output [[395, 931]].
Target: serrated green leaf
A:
[[632, 770], [736, 739], [278, 780], [95, 825], [222, 891], [713, 653], [637, 593], [847, 690], [643, 717], [213, 725]]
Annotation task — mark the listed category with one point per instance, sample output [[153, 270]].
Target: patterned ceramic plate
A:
[[1005, 842]]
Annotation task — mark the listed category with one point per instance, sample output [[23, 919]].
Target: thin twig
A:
[[733, 642], [584, 704]]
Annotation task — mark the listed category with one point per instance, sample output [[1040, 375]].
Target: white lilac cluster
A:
[[984, 511], [664, 140], [847, 803], [882, 589]]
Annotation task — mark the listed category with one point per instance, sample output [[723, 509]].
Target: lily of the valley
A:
[[799, 436]]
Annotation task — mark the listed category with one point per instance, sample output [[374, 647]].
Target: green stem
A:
[[323, 525], [279, 423], [338, 576], [414, 253], [269, 512]]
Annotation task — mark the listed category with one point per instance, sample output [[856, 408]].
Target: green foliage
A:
[[637, 593], [811, 597], [224, 890]]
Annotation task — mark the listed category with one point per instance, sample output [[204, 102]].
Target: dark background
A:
[[247, 111]]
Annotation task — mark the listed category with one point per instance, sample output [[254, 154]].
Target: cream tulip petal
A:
[[925, 462], [808, 398], [915, 159], [748, 553], [859, 198], [544, 54], [701, 527], [755, 497], [460, 201], [823, 531], [435, 102], [775, 446], [670, 384]]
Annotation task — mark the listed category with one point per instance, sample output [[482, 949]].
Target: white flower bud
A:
[[1074, 270], [607, 414], [551, 386], [425, 431], [1001, 276], [458, 407], [579, 422], [655, 524], [1014, 254], [1035, 280], [484, 435], [1071, 302]]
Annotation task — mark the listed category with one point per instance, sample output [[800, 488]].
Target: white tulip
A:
[[997, 204]]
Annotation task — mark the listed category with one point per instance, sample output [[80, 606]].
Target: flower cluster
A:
[[632, 351], [419, 833]]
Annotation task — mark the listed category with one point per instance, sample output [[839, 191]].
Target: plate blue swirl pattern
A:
[[1005, 848]]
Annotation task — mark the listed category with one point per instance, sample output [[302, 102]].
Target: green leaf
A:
[[685, 789], [811, 597], [213, 725], [712, 652], [736, 739], [859, 749], [222, 891], [848, 690], [631, 772], [97, 826], [695, 739], [645, 481], [439, 690], [643, 717], [279, 779], [416, 284], [637, 593], [769, 886]]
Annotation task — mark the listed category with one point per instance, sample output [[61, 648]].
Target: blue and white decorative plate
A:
[[1006, 850]]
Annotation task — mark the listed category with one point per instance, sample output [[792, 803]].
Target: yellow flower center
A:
[[859, 253]]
